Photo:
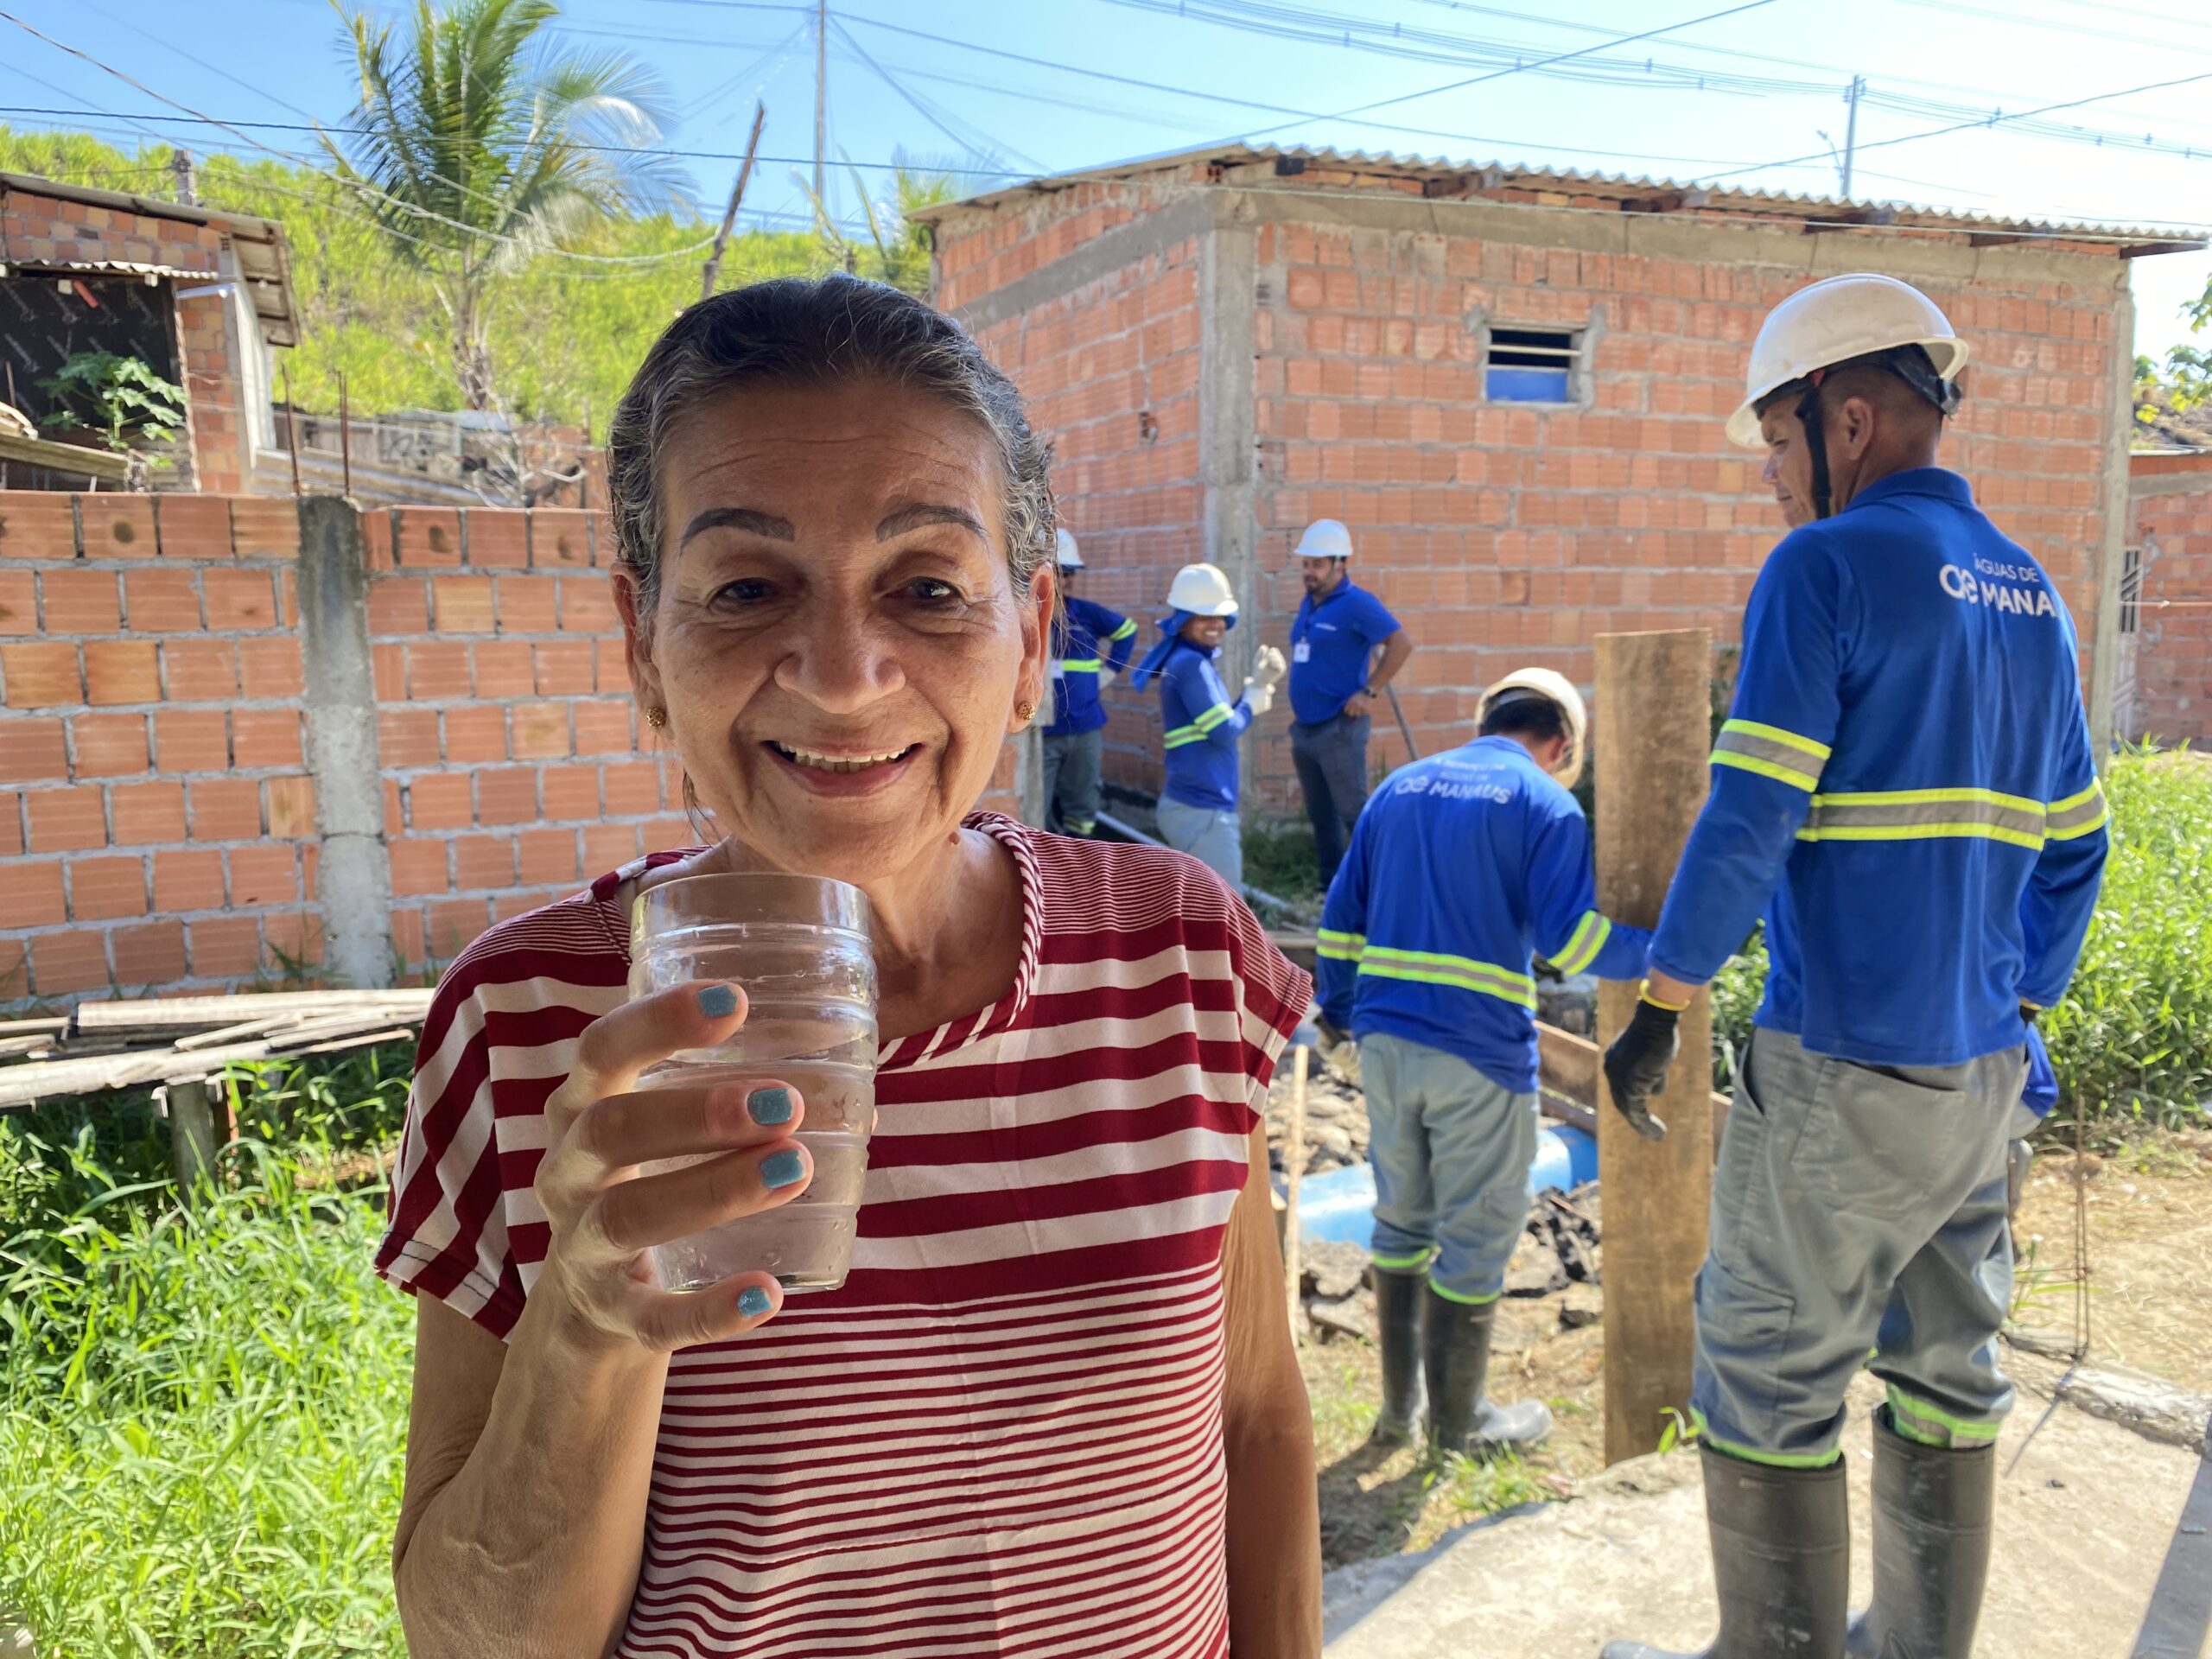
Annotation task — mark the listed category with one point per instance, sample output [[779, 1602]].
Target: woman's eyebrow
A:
[[906, 518], [760, 523]]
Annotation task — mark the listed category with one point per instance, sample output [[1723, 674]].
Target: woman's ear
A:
[[637, 639], [1037, 614]]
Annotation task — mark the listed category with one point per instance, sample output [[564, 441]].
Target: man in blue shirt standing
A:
[[1905, 788], [1463, 867], [1200, 725], [1090, 645], [1334, 683]]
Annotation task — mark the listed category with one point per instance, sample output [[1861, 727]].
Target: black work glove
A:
[[1635, 1065]]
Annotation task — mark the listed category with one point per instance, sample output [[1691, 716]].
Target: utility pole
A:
[[1851, 130], [188, 183], [729, 213], [821, 101]]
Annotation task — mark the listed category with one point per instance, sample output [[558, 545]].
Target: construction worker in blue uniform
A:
[[1200, 724], [1905, 788], [1463, 867], [1336, 679], [1090, 645]]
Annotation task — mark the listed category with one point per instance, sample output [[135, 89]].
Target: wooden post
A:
[[729, 214], [1652, 733], [345, 438], [192, 1132], [1294, 1164], [291, 432]]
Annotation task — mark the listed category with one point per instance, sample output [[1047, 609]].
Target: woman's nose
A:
[[1771, 471], [838, 662]]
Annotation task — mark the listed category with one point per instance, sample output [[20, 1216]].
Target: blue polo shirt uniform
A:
[[1087, 640], [1202, 723], [1463, 868], [1904, 787], [1331, 643]]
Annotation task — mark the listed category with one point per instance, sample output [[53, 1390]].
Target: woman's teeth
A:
[[837, 762]]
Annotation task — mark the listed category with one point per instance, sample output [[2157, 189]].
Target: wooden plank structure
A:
[[1653, 730], [179, 1044]]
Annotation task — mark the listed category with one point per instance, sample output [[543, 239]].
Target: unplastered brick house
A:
[[1509, 383], [199, 296]]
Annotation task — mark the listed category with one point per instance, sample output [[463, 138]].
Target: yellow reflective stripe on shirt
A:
[[1431, 968], [1338, 947], [1080, 665], [1926, 815], [1770, 751], [1584, 943], [2078, 814], [1182, 734], [1212, 717], [1126, 631]]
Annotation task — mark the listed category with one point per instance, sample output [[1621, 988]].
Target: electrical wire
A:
[[943, 122]]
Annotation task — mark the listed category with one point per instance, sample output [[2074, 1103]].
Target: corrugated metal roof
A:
[[109, 268], [1492, 180], [264, 257]]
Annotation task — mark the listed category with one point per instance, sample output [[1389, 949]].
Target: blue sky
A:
[[1755, 97]]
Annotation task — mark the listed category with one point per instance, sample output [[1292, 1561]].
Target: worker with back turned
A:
[[1905, 788], [1463, 866]]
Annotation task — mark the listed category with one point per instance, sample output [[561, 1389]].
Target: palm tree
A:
[[479, 143]]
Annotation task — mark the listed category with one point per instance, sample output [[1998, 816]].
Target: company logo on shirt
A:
[[1444, 789], [1995, 583]]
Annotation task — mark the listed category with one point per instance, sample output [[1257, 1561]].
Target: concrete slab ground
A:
[[2101, 1553]]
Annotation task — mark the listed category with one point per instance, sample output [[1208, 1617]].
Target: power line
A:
[[938, 119]]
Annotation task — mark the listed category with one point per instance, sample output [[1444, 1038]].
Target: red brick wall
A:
[[2172, 699], [157, 817], [1504, 534], [1111, 375], [43, 230], [156, 820]]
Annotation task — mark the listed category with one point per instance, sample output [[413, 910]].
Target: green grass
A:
[[204, 1404], [1279, 859], [2133, 1040]]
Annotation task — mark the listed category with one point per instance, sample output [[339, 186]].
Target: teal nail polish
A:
[[718, 1001], [753, 1301], [782, 1168], [770, 1106]]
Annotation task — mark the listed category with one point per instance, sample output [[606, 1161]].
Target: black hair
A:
[[1536, 718]]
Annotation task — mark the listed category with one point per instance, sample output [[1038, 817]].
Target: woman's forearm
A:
[[533, 1547], [1275, 1533]]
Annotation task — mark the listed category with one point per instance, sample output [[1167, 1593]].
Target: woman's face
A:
[[837, 639], [1205, 632]]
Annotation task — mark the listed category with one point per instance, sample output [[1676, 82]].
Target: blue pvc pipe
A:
[[1340, 1205]]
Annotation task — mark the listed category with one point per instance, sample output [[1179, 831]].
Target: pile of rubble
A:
[[1336, 1117]]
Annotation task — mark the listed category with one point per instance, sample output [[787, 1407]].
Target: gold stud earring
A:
[[1023, 711], [657, 717]]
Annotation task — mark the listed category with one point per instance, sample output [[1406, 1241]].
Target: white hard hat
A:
[[1832, 321], [1202, 590], [1069, 558], [1324, 538], [1556, 688]]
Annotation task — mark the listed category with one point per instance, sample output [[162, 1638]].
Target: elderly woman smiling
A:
[[1055, 1407]]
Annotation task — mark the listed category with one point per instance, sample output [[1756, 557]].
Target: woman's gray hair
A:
[[815, 331]]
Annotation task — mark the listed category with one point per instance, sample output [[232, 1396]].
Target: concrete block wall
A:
[[245, 740], [45, 230], [2171, 524]]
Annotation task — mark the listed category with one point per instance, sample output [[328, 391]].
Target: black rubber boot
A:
[[1781, 1560], [1397, 1318], [1932, 1512], [1460, 1417]]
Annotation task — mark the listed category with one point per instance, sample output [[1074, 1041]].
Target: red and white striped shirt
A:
[[1003, 1435]]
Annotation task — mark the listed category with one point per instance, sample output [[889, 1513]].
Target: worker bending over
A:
[[1090, 645], [1335, 681], [1197, 803], [1905, 788], [1462, 867]]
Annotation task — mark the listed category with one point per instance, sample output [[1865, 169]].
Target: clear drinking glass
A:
[[798, 946]]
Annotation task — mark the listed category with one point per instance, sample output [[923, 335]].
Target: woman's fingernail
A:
[[718, 1001], [782, 1168], [770, 1105], [753, 1301]]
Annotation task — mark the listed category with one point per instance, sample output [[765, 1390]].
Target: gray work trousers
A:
[[1451, 1150], [1855, 1207], [1330, 757], [1215, 838], [1074, 763]]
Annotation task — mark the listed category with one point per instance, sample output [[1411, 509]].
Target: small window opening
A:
[[1531, 365], [2131, 588]]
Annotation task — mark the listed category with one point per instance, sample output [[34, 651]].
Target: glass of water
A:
[[798, 946]]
